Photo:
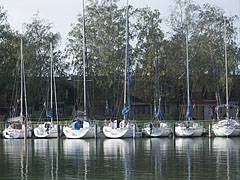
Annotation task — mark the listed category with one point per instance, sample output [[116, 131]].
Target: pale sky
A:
[[62, 13]]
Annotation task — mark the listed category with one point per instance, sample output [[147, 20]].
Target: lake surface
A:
[[158, 158]]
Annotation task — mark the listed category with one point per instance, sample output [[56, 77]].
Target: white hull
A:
[[183, 131], [12, 133], [157, 132], [126, 132], [224, 129], [88, 132], [46, 132]]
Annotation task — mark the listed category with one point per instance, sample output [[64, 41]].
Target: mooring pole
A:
[[134, 130], [25, 131], [174, 125], [210, 130], [58, 130], [96, 131]]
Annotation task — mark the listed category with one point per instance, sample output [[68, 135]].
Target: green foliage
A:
[[105, 35]]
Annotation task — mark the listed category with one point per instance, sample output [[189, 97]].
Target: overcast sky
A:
[[62, 13]]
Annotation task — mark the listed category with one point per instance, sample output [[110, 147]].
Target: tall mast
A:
[[127, 71], [21, 98], [188, 88], [51, 83], [127, 45], [158, 114], [84, 64], [226, 67], [55, 91]]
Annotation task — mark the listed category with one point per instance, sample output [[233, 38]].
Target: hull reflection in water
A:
[[227, 157], [188, 150], [156, 156], [156, 144], [78, 154], [47, 153], [42, 147], [118, 155], [72, 147], [16, 153]]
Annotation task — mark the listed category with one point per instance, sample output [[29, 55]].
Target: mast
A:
[[125, 70], [84, 64], [51, 84], [226, 68], [188, 115], [54, 85], [21, 98], [158, 114], [25, 92], [127, 62]]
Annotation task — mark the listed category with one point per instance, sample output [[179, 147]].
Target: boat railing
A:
[[220, 111]]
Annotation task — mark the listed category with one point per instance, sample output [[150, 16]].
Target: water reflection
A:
[[150, 158], [46, 152], [227, 157], [16, 154], [79, 154], [189, 151], [157, 149], [118, 155]]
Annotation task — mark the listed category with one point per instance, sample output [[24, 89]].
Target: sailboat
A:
[[226, 127], [49, 129], [158, 129], [81, 126], [18, 124], [188, 128], [123, 128]]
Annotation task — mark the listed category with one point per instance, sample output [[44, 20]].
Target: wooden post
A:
[[174, 125], [96, 130], [58, 130], [210, 130], [134, 131], [25, 131]]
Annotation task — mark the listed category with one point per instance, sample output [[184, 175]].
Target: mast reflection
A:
[[227, 157]]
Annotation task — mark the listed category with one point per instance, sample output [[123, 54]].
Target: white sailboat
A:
[[158, 129], [229, 126], [123, 128], [81, 126], [49, 129], [17, 124], [188, 128]]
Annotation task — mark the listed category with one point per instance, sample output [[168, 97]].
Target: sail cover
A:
[[125, 109]]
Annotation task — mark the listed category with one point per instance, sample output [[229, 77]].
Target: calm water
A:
[[165, 158]]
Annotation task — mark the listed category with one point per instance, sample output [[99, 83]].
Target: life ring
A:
[[121, 125]]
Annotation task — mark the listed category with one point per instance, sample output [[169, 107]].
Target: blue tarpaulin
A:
[[50, 113], [125, 110]]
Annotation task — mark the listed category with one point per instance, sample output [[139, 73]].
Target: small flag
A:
[[188, 114], [50, 113], [194, 105], [158, 114], [125, 110]]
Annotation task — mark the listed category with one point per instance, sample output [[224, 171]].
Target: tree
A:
[[105, 28], [9, 57], [37, 38], [149, 44], [206, 42]]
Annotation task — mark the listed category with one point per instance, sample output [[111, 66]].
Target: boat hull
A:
[[157, 132], [82, 133], [225, 129], [189, 131], [11, 133], [43, 132], [114, 133]]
